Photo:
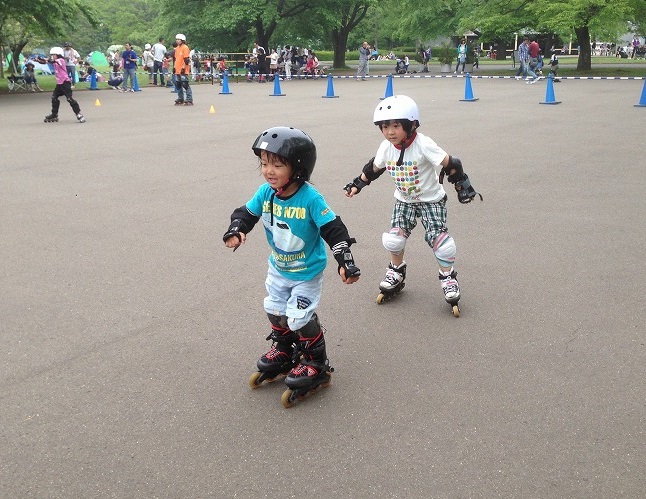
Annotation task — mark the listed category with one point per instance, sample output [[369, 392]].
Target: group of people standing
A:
[[155, 60], [289, 60]]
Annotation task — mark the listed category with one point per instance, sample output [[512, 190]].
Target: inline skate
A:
[[279, 360], [393, 282], [313, 372], [451, 290], [51, 118]]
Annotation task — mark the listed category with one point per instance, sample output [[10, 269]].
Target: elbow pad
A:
[[457, 175], [369, 172]]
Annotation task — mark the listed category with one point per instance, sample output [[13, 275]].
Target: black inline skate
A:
[[179, 102], [279, 360], [451, 290], [313, 371], [393, 282], [51, 118]]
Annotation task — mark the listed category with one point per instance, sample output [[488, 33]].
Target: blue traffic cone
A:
[[330, 88], [93, 85], [277, 92], [642, 101], [225, 84], [389, 87], [549, 93], [135, 85], [468, 91]]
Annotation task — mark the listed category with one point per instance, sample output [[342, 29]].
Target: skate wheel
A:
[[253, 380], [286, 398], [456, 311], [380, 298]]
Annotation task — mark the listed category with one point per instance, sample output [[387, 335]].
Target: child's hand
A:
[[350, 190], [348, 280], [236, 240]]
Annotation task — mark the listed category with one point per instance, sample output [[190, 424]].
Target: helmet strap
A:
[[277, 192], [404, 144]]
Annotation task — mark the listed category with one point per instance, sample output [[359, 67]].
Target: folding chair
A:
[[16, 83]]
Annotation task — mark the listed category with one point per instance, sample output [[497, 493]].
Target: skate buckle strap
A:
[[305, 369], [391, 277]]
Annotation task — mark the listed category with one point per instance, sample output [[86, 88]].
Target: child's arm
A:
[[367, 175], [242, 221], [453, 168], [335, 234]]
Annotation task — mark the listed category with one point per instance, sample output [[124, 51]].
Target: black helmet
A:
[[292, 144]]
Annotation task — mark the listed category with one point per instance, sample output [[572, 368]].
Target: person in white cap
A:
[[147, 62], [182, 68]]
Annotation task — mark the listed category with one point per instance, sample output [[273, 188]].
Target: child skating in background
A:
[[411, 159], [63, 85], [297, 222], [554, 63]]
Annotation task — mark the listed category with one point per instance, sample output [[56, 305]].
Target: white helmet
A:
[[147, 46], [57, 51], [396, 107], [179, 36]]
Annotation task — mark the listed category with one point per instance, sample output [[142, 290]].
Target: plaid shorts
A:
[[433, 217]]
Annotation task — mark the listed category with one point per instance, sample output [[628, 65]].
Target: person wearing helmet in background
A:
[[297, 222], [411, 159], [63, 85], [182, 69], [148, 62]]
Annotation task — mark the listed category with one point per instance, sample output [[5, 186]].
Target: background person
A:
[[159, 52], [364, 55], [182, 71]]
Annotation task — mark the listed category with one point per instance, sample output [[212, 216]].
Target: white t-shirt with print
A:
[[416, 179]]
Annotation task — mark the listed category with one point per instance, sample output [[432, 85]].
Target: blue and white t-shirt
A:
[[298, 251]]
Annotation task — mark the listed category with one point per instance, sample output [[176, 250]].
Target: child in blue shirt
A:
[[297, 222]]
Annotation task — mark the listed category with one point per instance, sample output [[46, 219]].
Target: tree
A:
[[498, 22], [343, 17], [20, 20], [582, 17], [428, 20], [241, 21]]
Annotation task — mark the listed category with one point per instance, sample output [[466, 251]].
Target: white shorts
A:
[[296, 299]]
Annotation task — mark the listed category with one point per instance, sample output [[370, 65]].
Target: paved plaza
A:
[[129, 331]]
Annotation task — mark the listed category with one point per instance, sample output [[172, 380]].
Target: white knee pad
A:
[[394, 241], [444, 249]]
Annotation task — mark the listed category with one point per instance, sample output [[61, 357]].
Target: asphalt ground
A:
[[128, 331]]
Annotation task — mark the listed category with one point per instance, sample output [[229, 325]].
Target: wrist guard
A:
[[357, 183], [460, 180], [234, 230], [344, 258], [368, 172], [465, 190]]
